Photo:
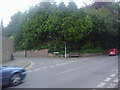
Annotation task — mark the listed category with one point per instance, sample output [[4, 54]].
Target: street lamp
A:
[[65, 50]]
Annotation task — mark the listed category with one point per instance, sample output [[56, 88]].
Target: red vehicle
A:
[[113, 51]]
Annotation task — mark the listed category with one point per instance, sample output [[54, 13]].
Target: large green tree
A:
[[48, 25]]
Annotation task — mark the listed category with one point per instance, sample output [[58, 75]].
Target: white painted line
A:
[[100, 85], [113, 75], [58, 64], [111, 86], [107, 79], [36, 69], [64, 72], [116, 81], [44, 67], [67, 63], [52, 66], [84, 59], [69, 70], [62, 63]]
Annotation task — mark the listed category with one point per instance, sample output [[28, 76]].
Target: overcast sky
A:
[[10, 7]]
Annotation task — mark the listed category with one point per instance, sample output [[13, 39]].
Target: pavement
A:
[[18, 62]]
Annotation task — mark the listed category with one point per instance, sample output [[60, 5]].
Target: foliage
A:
[[11, 37], [48, 25], [92, 50]]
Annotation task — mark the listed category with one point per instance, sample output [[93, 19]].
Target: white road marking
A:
[[36, 69], [62, 63], [100, 85], [44, 67], [113, 75], [58, 64], [75, 61], [116, 81], [67, 63], [65, 72], [69, 70], [111, 86], [52, 66], [107, 79]]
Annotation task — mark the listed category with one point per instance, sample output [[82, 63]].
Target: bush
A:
[[92, 50]]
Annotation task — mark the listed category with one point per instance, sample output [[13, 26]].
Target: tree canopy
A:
[[48, 25]]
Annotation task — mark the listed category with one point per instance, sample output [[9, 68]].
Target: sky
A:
[[10, 7]]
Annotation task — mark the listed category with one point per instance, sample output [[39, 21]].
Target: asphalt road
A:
[[87, 72]]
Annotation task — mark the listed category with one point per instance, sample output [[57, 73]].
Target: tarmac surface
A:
[[81, 72], [17, 62]]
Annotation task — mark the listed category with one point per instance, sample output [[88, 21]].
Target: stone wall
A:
[[38, 53], [83, 54], [7, 49], [89, 54], [32, 53], [20, 54], [44, 53]]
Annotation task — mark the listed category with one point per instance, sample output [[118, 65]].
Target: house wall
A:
[[0, 48], [7, 49]]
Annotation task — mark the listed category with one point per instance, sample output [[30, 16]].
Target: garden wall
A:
[[32, 53]]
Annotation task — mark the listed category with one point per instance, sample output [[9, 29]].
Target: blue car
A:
[[11, 75]]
